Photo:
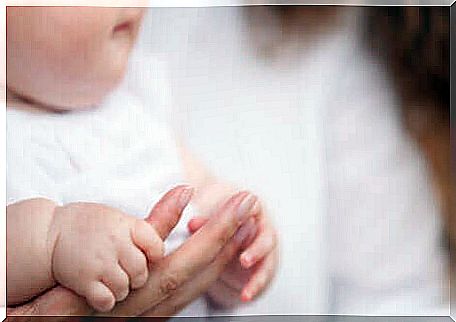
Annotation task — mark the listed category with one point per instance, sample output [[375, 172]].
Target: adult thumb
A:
[[166, 213]]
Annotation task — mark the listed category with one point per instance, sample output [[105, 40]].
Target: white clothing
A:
[[121, 154], [312, 125]]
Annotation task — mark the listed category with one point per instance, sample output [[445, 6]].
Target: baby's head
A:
[[68, 57]]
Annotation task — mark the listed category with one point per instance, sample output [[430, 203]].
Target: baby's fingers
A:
[[100, 297], [134, 263], [197, 222], [264, 243], [117, 281], [260, 279], [146, 238]]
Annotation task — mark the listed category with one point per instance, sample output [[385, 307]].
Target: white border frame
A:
[[138, 3]]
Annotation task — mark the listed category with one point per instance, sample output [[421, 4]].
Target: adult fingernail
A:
[[241, 234], [246, 260], [245, 207], [244, 231], [185, 197]]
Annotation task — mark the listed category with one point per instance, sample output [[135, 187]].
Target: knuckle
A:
[[168, 284], [98, 261], [106, 273], [223, 239], [138, 269], [88, 269]]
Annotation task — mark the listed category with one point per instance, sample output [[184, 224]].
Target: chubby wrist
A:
[[32, 217], [53, 230]]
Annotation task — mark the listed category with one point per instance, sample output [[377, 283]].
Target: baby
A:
[[85, 159]]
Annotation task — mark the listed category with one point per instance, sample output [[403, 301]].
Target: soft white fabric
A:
[[313, 127], [251, 124], [121, 154], [386, 249]]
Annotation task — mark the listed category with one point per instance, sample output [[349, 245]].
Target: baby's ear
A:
[[167, 212]]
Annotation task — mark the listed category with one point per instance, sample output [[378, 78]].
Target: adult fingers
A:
[[190, 258], [198, 221], [167, 212], [202, 247], [223, 296], [62, 302], [235, 275], [59, 301], [200, 283]]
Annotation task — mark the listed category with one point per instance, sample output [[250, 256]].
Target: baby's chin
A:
[[61, 103], [77, 103], [85, 95]]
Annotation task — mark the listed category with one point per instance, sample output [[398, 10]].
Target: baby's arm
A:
[[101, 253], [29, 250], [96, 251], [209, 190]]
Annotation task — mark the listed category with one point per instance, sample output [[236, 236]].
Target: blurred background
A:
[[333, 116]]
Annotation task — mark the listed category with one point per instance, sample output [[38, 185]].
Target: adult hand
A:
[[248, 275], [198, 262]]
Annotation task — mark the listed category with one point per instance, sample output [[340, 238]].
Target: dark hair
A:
[[414, 44], [415, 41]]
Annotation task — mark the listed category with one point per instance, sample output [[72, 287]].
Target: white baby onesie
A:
[[119, 154]]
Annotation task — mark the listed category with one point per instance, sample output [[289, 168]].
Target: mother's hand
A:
[[175, 281]]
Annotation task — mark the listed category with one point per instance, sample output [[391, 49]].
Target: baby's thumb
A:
[[166, 213]]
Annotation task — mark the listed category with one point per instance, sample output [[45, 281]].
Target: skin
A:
[[254, 267], [175, 280], [76, 68], [250, 273], [44, 248]]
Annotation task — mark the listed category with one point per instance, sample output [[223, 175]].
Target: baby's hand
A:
[[250, 274], [100, 252]]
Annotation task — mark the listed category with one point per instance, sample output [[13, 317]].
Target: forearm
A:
[[29, 249], [209, 191]]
